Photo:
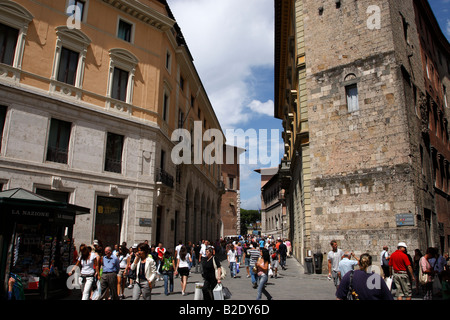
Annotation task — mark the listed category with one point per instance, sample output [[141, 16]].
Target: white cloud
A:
[[227, 39], [265, 108], [252, 203]]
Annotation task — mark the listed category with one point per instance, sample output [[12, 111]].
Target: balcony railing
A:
[[55, 154], [113, 165], [163, 177]]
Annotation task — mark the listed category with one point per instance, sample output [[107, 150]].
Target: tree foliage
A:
[[249, 217]]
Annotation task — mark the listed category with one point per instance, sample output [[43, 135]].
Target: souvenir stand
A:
[[36, 242]]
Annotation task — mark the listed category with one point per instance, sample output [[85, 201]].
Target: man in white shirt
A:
[[334, 257], [202, 253], [178, 247]]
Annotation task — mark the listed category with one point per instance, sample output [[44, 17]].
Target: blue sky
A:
[[441, 9], [232, 45]]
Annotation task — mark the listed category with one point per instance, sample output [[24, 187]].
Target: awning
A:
[[23, 202]]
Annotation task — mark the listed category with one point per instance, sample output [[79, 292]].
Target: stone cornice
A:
[[143, 13]]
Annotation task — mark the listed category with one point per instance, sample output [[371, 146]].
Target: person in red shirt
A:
[[160, 250], [399, 267]]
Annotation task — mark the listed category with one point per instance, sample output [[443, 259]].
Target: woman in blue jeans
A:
[[262, 266]]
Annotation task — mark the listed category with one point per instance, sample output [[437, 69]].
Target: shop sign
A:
[[404, 220], [145, 222], [64, 217], [30, 213]]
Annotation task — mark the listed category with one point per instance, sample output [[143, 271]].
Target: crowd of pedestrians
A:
[[355, 278], [139, 267], [110, 270]]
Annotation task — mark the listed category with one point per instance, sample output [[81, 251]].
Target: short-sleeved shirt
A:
[[254, 255], [160, 252], [425, 265], [123, 261], [232, 255], [399, 261], [335, 258], [87, 266], [346, 265], [184, 263], [111, 264]]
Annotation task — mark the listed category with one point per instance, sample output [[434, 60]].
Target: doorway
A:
[[108, 220]]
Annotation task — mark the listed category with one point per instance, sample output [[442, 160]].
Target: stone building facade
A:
[[371, 176], [273, 207], [90, 93]]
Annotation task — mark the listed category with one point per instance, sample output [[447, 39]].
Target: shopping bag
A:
[[389, 282], [270, 272], [198, 291], [226, 293], [237, 267], [98, 292], [437, 287], [218, 292]]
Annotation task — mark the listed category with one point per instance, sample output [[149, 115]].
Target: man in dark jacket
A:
[[282, 254]]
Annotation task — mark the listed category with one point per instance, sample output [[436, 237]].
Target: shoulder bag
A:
[[223, 273], [352, 295], [423, 277]]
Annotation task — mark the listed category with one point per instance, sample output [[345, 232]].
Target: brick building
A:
[[230, 205], [365, 132]]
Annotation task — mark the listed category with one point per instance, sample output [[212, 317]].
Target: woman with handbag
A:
[[209, 265], [426, 274], [262, 270]]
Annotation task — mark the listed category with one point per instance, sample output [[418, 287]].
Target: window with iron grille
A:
[[113, 156], [58, 141]]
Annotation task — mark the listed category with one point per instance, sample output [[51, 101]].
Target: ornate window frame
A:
[[125, 60], [18, 17], [77, 41]]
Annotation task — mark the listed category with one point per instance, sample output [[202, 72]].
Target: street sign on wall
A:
[[405, 220]]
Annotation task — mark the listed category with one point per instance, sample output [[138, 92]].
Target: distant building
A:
[[273, 210], [230, 207]]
